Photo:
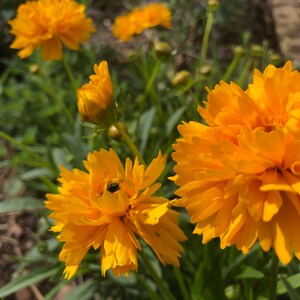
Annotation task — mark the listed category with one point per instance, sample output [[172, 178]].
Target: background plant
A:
[[40, 129]]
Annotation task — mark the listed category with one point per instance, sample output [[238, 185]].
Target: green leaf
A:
[[288, 284], [27, 280], [250, 273], [84, 291], [19, 204], [36, 173], [173, 120], [145, 125]]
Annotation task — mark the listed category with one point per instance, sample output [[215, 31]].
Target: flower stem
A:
[[274, 275], [231, 67], [152, 294], [129, 142], [69, 73], [181, 283], [156, 278], [208, 26]]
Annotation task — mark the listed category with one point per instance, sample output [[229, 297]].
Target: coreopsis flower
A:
[[95, 99], [109, 207], [49, 24], [140, 19], [239, 175]]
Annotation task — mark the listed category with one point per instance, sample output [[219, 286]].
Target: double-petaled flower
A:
[[239, 175], [110, 207], [50, 24], [140, 19]]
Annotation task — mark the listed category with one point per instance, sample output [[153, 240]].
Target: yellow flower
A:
[[49, 24], [271, 100], [109, 207], [95, 99], [239, 177], [140, 19]]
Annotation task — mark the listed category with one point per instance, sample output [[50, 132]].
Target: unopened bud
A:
[[233, 292], [275, 59], [206, 70], [34, 69], [114, 133], [239, 50], [213, 5], [162, 49], [256, 50], [181, 77]]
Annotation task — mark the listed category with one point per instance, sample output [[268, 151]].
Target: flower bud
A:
[[114, 133], [181, 77], [256, 50], [34, 69], [95, 99], [275, 59], [206, 70], [213, 5], [233, 292], [239, 50], [162, 49]]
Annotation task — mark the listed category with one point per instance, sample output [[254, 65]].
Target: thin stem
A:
[[231, 67], [245, 72], [129, 142], [69, 73], [274, 277], [181, 283], [208, 26], [156, 278], [152, 294]]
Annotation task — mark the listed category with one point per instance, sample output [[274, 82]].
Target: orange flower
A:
[[108, 207], [140, 19], [49, 24], [95, 99], [239, 177]]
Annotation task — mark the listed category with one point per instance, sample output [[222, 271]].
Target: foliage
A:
[[41, 129]]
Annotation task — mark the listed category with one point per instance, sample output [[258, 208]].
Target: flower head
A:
[[140, 19], [109, 207], [95, 99], [239, 177], [49, 24]]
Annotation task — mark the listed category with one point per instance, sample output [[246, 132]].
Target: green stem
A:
[[181, 283], [208, 26], [156, 278], [129, 142], [69, 73], [274, 277], [245, 72], [231, 67], [152, 294]]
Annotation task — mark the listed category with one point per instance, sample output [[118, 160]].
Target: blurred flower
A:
[[109, 207], [95, 99], [140, 19], [49, 24], [239, 177]]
